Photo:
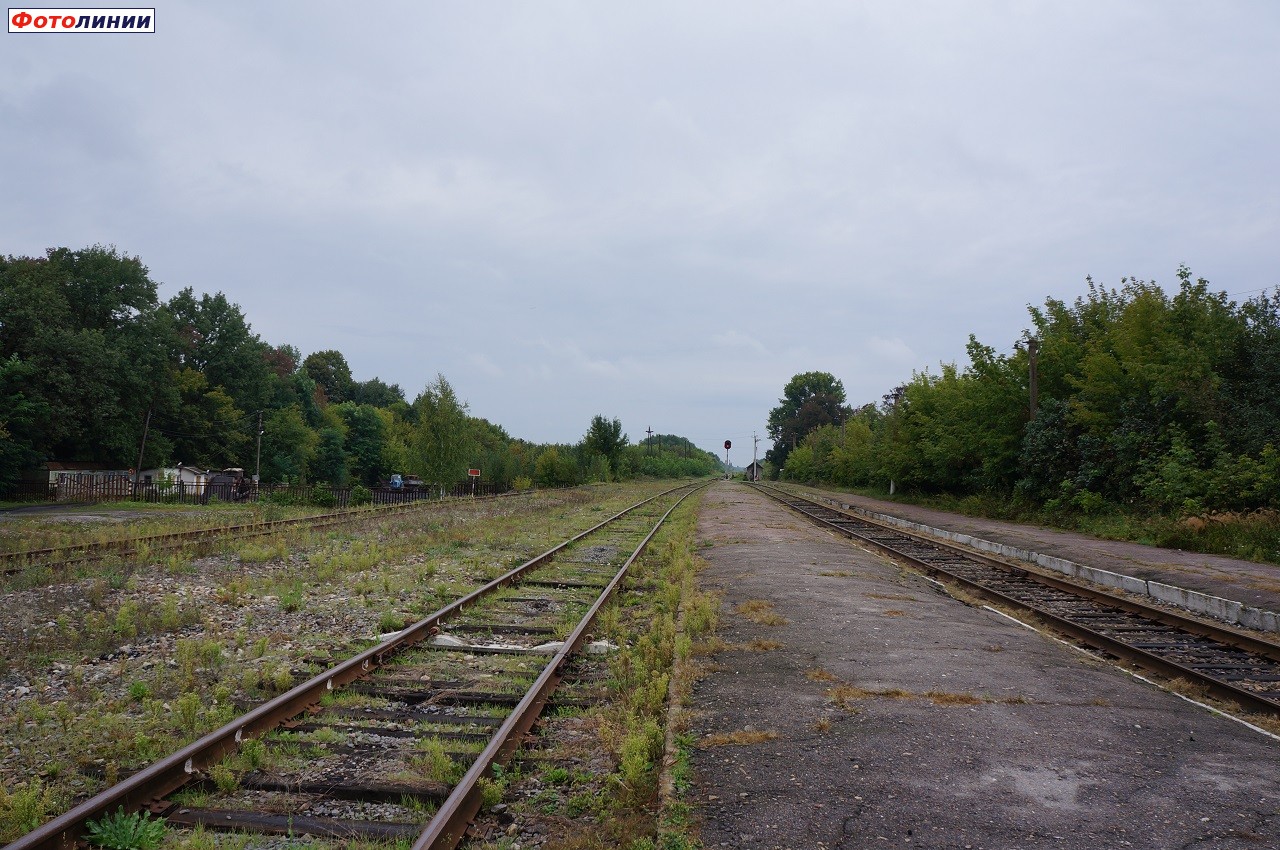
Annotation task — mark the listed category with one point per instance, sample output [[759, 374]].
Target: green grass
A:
[[24, 808], [25, 532], [219, 660]]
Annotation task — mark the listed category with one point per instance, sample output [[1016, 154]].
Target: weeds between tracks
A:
[[112, 522], [594, 783], [98, 693]]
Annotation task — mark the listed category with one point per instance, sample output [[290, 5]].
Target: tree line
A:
[[1167, 402], [91, 358]]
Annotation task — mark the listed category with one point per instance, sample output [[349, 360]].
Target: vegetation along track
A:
[[62, 557], [1228, 664], [398, 741]]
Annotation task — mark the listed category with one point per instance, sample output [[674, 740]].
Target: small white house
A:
[[187, 475]]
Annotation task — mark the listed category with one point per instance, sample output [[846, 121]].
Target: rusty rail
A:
[[62, 556], [173, 772], [1235, 648], [449, 824]]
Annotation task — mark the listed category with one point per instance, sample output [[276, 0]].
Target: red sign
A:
[[474, 473]]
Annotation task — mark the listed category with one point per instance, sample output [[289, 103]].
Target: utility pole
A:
[[648, 443], [755, 449], [137, 470], [257, 466], [1033, 351]]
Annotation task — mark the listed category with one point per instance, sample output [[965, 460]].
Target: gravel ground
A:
[[889, 713], [73, 718]]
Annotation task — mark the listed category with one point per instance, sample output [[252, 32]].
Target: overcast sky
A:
[[656, 211]]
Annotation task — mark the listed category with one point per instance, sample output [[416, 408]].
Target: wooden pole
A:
[[137, 470]]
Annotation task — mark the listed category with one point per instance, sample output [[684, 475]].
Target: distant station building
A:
[[753, 472]]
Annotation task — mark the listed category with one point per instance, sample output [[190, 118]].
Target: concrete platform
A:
[[969, 731], [1241, 592]]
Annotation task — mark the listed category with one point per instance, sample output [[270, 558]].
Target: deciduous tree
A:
[[809, 401], [604, 438]]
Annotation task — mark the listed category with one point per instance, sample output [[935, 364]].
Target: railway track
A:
[[62, 557], [399, 741], [1230, 665]]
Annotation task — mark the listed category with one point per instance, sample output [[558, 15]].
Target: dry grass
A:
[[844, 694], [944, 698], [836, 574], [823, 724], [741, 737], [1268, 722], [1200, 693], [895, 693], [1195, 690], [717, 644], [712, 645], [900, 597], [754, 606], [895, 612], [760, 611], [819, 675]]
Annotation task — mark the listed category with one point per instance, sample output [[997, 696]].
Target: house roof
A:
[[77, 466]]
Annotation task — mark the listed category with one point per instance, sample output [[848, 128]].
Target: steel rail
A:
[[1221, 634], [84, 553], [1142, 657], [173, 772], [447, 827]]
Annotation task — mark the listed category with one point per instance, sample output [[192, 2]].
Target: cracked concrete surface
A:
[[904, 717]]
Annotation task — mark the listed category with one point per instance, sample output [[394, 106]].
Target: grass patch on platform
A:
[[944, 698], [760, 611], [737, 738], [844, 695]]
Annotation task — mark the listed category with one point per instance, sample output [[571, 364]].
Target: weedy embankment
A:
[[614, 775]]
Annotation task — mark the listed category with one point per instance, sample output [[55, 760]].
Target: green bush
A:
[[360, 495], [322, 496], [285, 499]]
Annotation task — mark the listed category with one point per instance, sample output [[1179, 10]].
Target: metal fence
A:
[[88, 488]]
